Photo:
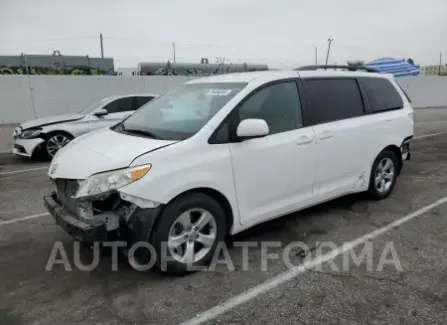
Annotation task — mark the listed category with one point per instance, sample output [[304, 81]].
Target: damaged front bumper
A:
[[131, 222], [83, 230]]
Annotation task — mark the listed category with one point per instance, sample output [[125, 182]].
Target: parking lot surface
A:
[[410, 290]]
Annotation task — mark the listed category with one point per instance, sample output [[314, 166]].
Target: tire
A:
[[169, 227], [54, 142], [385, 168]]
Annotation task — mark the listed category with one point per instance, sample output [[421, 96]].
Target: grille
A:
[[66, 188]]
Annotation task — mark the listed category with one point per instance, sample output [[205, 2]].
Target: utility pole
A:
[[173, 48], [329, 41], [316, 55], [440, 62], [31, 89], [102, 46]]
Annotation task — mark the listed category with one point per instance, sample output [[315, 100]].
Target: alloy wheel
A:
[[55, 143], [192, 236], [384, 175]]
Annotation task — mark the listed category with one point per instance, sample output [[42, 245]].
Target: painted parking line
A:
[[22, 171], [34, 216], [429, 135], [303, 268]]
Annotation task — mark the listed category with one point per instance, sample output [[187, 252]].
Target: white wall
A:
[[425, 91], [62, 94], [53, 95]]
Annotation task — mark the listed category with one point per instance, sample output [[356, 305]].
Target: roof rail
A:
[[344, 67]]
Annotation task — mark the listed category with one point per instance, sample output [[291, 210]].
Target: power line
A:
[[150, 42], [49, 39]]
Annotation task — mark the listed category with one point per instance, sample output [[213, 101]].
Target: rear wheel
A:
[[187, 233], [383, 175], [54, 142]]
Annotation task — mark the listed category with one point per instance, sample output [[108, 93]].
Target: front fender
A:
[[164, 182], [76, 128]]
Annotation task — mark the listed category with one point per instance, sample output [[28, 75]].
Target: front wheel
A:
[[383, 175], [54, 142], [187, 233]]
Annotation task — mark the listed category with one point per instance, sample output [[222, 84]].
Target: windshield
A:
[[95, 105], [181, 112]]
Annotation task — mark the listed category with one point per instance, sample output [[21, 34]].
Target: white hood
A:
[[50, 120], [100, 151]]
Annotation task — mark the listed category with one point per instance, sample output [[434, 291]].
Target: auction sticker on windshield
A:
[[218, 92]]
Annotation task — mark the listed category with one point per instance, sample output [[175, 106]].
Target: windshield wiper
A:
[[140, 132]]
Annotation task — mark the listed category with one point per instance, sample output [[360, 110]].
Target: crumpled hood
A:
[[100, 151], [51, 120]]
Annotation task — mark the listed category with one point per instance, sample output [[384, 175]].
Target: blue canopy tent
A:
[[397, 67]]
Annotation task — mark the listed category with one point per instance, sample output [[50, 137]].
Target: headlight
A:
[[109, 181], [30, 134]]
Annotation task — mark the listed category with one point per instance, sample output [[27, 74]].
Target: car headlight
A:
[[30, 134], [109, 181]]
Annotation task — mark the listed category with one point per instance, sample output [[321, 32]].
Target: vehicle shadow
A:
[[300, 226], [9, 159]]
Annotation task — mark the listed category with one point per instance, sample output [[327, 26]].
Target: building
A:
[[434, 70], [56, 64]]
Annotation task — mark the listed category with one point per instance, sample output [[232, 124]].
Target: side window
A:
[[140, 101], [277, 104], [331, 100], [222, 134], [381, 94], [119, 105]]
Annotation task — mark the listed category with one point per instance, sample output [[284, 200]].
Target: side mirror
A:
[[252, 128], [101, 112]]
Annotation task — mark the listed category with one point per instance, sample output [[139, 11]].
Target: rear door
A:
[[336, 111]]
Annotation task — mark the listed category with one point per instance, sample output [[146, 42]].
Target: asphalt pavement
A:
[[401, 278]]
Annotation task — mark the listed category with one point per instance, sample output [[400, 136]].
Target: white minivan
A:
[[218, 155]]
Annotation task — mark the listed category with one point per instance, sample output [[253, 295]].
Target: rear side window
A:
[[119, 105], [381, 94], [140, 101], [331, 100]]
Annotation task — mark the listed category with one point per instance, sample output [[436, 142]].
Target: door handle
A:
[[326, 134], [304, 139]]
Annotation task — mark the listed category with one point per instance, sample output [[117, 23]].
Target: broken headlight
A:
[[30, 134], [109, 181]]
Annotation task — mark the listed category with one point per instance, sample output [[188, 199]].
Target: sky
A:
[[280, 33]]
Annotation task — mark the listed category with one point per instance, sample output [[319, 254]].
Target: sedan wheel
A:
[[56, 142]]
